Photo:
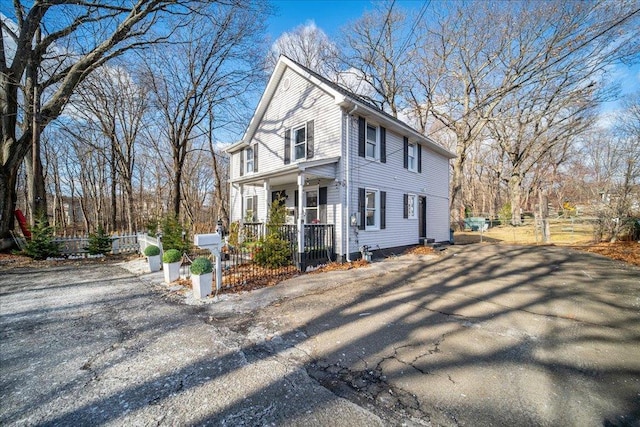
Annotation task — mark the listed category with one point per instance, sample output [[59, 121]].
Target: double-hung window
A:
[[299, 142], [249, 160], [412, 158], [372, 206], [371, 144]]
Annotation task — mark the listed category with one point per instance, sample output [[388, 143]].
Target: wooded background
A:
[[116, 114]]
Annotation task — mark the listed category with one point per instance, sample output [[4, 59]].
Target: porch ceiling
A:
[[289, 174]]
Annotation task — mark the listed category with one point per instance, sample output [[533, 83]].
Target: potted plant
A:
[[201, 277], [152, 252], [171, 261]]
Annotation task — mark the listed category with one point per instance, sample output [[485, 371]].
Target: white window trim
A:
[[248, 162], [376, 214], [376, 154], [293, 142], [414, 167], [413, 215]]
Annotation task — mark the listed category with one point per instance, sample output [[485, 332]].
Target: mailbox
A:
[[206, 240]]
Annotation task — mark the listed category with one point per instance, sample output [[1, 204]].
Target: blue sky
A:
[[329, 15]]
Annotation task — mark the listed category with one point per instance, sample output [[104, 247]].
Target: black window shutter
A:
[[275, 195], [287, 146], [322, 196], [362, 208], [255, 158], [419, 157], [406, 206], [406, 152], [295, 201], [383, 210], [361, 136], [310, 147], [242, 162], [383, 145]]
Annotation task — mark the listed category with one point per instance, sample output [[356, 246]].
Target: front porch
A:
[[317, 245]]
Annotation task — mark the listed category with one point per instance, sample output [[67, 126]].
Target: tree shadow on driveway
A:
[[485, 335]]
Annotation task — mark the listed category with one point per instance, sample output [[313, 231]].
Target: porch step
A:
[[435, 246]]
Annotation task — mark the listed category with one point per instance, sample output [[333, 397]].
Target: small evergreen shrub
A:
[[41, 246], [201, 266], [151, 250], [172, 234], [171, 255], [99, 242], [152, 227], [274, 252]]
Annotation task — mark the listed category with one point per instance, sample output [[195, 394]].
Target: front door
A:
[[311, 206], [422, 219]]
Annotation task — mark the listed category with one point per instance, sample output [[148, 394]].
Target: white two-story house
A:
[[336, 159]]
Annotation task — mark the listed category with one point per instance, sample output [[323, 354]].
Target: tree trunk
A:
[[544, 216], [515, 197], [457, 203], [114, 196], [35, 183], [7, 205], [177, 190]]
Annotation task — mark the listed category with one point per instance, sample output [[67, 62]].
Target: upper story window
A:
[[300, 142], [249, 163], [412, 158], [372, 141], [249, 160]]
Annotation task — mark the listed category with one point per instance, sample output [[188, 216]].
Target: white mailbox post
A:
[[212, 243]]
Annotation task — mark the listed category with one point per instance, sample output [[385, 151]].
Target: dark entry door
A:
[[422, 219]]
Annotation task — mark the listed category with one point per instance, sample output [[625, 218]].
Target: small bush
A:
[[99, 242], [171, 255], [172, 234], [41, 246], [274, 252], [201, 266], [151, 250]]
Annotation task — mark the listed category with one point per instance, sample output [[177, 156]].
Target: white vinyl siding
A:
[[392, 178], [300, 103]]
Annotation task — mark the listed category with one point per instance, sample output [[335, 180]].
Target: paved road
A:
[[483, 335]]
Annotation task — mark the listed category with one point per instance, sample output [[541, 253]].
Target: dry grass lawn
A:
[[577, 236]]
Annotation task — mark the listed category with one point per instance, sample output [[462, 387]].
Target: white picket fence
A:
[[128, 243]]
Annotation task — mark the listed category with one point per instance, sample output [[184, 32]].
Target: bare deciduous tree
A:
[[211, 66], [308, 45], [65, 56]]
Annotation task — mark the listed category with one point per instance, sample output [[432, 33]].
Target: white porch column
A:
[[242, 206], [300, 217], [267, 200]]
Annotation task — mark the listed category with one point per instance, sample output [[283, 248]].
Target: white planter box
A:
[[154, 263], [201, 284], [171, 271]]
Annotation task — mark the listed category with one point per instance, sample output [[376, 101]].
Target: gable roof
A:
[[343, 97]]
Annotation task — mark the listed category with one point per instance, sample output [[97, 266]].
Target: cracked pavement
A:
[[482, 335]]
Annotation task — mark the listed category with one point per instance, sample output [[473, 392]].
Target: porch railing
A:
[[319, 240]]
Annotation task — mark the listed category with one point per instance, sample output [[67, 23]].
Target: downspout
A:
[[348, 182]]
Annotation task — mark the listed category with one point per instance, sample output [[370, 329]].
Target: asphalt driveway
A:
[[482, 335]]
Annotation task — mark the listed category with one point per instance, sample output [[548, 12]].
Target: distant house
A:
[[336, 160]]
